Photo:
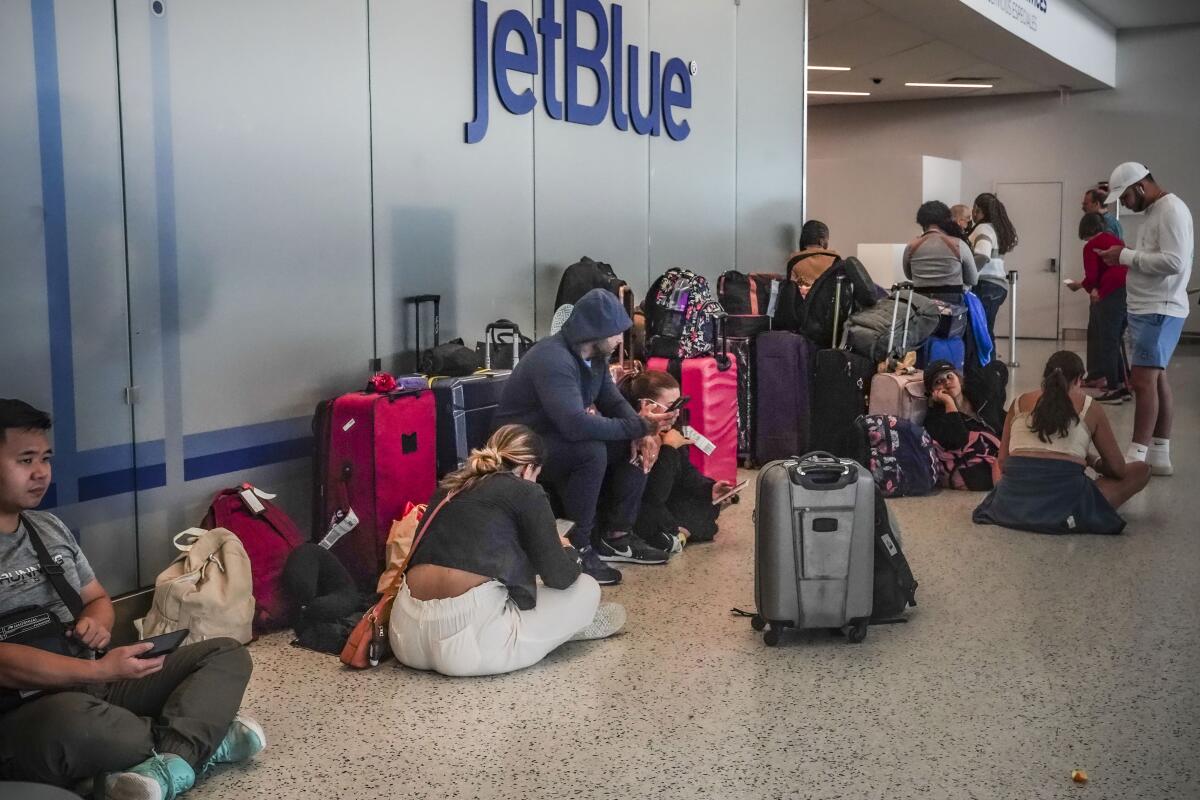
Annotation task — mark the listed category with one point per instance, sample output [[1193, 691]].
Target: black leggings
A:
[[1106, 328]]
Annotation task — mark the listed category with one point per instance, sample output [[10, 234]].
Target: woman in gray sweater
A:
[[939, 265]]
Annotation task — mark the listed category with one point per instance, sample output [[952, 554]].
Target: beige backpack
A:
[[207, 589]]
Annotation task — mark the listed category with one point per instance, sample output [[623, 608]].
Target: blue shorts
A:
[[1154, 337]]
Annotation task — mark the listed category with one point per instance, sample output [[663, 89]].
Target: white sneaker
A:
[[1160, 463], [609, 619]]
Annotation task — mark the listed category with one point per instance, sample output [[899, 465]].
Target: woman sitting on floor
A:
[[677, 504], [469, 604], [1047, 438], [966, 422]]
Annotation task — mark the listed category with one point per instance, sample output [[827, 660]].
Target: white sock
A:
[[1158, 445], [1136, 452]]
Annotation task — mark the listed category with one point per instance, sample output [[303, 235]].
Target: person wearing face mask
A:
[[598, 448], [1160, 266], [966, 425], [677, 506], [469, 603]]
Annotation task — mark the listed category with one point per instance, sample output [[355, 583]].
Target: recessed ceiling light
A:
[[952, 85], [842, 94], [830, 69]]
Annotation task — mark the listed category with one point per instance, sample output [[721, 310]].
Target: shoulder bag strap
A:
[[425, 523], [53, 571]]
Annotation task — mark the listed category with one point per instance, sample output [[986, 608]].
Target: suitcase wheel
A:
[[856, 631], [757, 622], [771, 637]]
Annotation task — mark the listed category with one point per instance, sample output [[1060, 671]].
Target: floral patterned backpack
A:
[[681, 316]]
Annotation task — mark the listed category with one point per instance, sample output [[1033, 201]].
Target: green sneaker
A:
[[160, 777], [244, 740]]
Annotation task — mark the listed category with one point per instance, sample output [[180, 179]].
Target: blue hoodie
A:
[[552, 388]]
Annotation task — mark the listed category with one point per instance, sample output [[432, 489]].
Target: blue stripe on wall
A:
[[107, 484], [246, 458], [222, 441], [54, 211]]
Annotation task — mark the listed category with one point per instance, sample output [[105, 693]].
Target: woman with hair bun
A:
[[470, 603], [1049, 439]]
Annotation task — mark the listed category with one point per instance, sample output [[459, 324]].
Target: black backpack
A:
[[858, 292], [895, 586], [583, 276]]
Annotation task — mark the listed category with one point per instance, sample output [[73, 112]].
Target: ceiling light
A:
[[830, 69], [952, 85], [842, 94]]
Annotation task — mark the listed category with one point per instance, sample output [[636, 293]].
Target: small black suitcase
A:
[[841, 384]]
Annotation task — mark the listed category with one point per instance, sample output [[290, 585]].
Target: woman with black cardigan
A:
[[966, 420]]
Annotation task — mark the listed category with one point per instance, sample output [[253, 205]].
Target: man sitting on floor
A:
[[150, 723], [595, 442]]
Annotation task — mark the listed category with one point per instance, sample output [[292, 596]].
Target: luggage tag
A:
[[251, 501], [700, 440], [343, 523]]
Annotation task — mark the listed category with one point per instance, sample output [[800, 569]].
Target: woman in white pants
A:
[[470, 603]]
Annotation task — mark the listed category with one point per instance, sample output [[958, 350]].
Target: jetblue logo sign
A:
[[620, 91]]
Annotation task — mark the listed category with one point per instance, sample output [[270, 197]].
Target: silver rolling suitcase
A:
[[814, 546]]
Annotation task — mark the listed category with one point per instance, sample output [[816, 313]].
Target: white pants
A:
[[482, 632]]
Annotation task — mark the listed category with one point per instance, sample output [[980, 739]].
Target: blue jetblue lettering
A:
[[670, 89]]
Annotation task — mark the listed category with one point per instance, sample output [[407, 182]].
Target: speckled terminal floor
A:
[[1029, 656]]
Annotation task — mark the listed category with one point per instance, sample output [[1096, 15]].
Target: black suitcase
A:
[[465, 408], [841, 384]]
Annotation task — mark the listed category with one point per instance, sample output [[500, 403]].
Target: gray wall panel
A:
[[23, 313], [591, 182], [770, 131], [692, 182], [451, 218]]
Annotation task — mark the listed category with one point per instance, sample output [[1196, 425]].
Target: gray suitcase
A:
[[814, 546]]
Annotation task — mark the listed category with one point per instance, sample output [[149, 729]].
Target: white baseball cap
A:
[[1124, 176]]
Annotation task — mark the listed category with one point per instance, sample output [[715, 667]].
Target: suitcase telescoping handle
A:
[[418, 300], [491, 335], [837, 308], [897, 288]]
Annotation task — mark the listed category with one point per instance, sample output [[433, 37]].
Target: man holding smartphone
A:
[[152, 723], [1160, 267]]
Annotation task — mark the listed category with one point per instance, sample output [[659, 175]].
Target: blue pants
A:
[[591, 480], [991, 296]]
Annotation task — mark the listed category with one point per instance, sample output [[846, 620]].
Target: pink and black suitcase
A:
[[712, 384], [375, 454]]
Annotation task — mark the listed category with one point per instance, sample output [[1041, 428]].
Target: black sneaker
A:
[[669, 543], [629, 549], [1115, 397], [592, 565]]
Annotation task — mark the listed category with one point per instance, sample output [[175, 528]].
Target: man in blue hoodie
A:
[[596, 444]]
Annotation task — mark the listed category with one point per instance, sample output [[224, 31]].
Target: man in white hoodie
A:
[[1160, 267]]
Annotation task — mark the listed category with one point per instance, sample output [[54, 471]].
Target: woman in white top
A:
[[1048, 443], [992, 238]]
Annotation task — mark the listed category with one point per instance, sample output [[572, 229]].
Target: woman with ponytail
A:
[[992, 238], [677, 505], [470, 603], [1051, 436]]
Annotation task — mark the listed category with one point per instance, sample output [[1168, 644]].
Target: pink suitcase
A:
[[900, 396], [375, 454], [712, 384]]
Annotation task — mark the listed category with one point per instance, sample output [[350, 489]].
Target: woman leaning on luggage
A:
[[965, 421], [470, 603], [1049, 438]]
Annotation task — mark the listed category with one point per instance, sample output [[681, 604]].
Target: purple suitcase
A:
[[783, 368]]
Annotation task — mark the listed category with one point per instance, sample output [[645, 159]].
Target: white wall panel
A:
[[770, 132], [692, 182], [591, 181], [451, 218]]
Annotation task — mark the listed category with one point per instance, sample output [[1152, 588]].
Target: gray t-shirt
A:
[[21, 580]]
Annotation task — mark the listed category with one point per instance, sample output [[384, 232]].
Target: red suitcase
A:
[[712, 384], [375, 454]]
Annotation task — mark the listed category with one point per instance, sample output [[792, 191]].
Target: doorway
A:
[[1035, 208]]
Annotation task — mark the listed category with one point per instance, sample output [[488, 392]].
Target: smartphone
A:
[[722, 498], [165, 644], [565, 526], [678, 404]]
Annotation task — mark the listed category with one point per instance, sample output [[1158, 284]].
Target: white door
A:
[[1035, 209]]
